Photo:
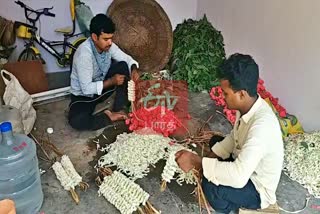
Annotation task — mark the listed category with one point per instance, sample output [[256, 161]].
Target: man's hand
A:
[[118, 79], [188, 160], [135, 74]]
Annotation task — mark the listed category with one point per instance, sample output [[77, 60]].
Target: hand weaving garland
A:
[[171, 168]]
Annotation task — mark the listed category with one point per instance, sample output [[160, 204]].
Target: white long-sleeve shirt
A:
[[256, 145], [86, 76]]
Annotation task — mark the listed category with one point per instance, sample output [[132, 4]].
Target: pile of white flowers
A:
[[302, 160], [133, 153], [123, 193]]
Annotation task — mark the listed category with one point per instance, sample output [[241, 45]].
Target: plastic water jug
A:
[[19, 171], [12, 115]]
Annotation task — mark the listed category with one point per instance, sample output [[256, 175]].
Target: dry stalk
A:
[[203, 125], [225, 117], [163, 185], [147, 209], [98, 181], [84, 186], [75, 196], [105, 171], [140, 210], [201, 197], [52, 147], [151, 208], [45, 159], [42, 149], [205, 136]]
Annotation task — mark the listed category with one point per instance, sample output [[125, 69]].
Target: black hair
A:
[[102, 24], [242, 72]]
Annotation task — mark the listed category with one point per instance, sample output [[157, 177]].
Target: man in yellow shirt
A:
[[243, 170]]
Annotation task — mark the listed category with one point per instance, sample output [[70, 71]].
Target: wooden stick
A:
[[206, 123], [199, 198], [224, 117], [53, 147], [45, 159], [42, 149]]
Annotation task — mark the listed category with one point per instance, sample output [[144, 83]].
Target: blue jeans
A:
[[225, 199]]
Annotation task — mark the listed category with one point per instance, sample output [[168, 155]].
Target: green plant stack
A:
[[198, 50]]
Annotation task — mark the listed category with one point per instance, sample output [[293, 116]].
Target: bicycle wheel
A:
[[76, 44], [27, 54]]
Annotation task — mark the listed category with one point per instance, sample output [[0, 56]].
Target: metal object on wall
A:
[[144, 31]]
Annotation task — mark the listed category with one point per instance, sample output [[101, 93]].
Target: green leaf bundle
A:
[[198, 51]]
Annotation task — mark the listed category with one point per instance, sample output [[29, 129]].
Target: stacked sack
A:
[[7, 39], [7, 32]]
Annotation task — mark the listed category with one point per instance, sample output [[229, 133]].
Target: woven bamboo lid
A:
[[144, 31]]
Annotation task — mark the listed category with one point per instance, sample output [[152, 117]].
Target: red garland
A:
[[217, 95], [275, 101], [160, 119]]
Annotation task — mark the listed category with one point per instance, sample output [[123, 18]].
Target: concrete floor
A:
[[174, 200]]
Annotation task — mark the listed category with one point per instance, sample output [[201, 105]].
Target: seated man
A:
[[99, 68], [250, 179]]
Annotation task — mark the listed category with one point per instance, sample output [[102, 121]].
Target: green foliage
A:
[[146, 76], [198, 50], [77, 2]]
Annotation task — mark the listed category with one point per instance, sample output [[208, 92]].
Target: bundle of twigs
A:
[[199, 192], [47, 148]]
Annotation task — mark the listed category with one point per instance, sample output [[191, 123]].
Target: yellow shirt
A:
[[256, 145]]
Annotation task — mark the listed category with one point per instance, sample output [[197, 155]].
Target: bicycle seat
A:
[[65, 30]]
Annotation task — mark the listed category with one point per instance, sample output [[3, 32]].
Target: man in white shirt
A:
[[255, 145], [99, 68]]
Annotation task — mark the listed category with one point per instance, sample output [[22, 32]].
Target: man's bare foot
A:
[[121, 112], [115, 116]]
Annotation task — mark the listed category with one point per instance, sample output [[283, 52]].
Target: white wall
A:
[[284, 38], [10, 10]]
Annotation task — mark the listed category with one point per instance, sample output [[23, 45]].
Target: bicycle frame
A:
[[49, 46], [63, 58]]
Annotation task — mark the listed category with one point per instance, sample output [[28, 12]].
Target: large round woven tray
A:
[[144, 31]]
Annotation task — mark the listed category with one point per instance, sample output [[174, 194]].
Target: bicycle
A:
[[30, 33]]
